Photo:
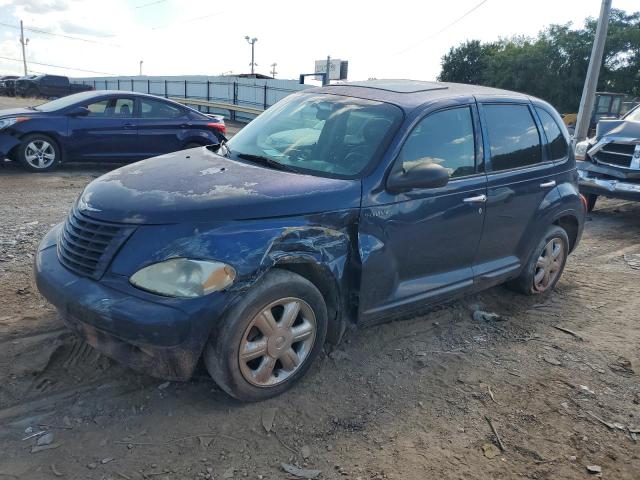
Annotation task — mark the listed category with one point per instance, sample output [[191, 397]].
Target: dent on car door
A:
[[108, 132], [520, 175], [418, 246]]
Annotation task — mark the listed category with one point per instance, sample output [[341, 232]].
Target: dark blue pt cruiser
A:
[[358, 203]]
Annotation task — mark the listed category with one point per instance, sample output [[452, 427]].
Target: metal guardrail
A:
[[242, 99], [221, 105]]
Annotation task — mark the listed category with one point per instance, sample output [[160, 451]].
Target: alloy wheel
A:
[[277, 341], [39, 154], [549, 265]]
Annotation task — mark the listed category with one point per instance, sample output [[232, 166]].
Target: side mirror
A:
[[79, 112], [421, 175]]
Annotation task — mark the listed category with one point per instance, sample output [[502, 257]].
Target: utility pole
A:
[[273, 70], [326, 80], [24, 44], [141, 62], [591, 82], [252, 42]]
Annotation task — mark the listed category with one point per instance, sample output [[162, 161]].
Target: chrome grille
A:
[[86, 246], [617, 154]]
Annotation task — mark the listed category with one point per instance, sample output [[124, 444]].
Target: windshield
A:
[[634, 115], [319, 133], [65, 102]]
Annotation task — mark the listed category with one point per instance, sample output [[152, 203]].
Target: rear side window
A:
[[557, 144], [156, 109], [513, 136], [444, 138]]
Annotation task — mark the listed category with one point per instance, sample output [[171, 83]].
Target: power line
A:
[[467, 13], [150, 3], [68, 37], [59, 66], [180, 22]]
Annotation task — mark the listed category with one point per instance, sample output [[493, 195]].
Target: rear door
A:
[[519, 176], [162, 126], [418, 246], [108, 133]]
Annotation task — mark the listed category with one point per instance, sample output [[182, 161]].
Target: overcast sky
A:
[[390, 39]]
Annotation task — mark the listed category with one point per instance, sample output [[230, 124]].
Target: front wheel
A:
[[268, 339], [546, 264], [591, 201], [38, 153]]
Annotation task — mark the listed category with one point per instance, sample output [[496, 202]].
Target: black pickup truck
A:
[[48, 86]]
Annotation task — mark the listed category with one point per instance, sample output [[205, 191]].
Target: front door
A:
[[417, 247], [108, 132], [519, 175]]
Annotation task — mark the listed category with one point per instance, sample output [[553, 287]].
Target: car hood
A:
[[14, 112], [198, 185]]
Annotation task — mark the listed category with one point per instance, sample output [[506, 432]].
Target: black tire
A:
[[591, 201], [25, 151], [525, 283], [222, 353], [31, 92]]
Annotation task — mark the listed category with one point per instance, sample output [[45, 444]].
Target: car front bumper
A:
[[149, 336], [608, 187]]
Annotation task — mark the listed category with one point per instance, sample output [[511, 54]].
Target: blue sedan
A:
[[103, 126]]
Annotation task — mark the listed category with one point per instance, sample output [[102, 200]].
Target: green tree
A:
[[554, 64]]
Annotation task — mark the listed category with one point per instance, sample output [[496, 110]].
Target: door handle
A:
[[476, 199], [550, 184]]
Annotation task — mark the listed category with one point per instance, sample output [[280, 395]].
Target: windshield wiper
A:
[[267, 161]]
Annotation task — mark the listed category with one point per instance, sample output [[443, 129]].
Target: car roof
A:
[[409, 94]]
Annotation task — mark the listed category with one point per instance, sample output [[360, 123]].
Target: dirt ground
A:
[[405, 400]]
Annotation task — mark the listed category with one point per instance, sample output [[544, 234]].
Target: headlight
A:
[[182, 277], [581, 150], [7, 122]]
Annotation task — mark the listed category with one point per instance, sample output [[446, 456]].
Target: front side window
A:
[[319, 133], [557, 144], [157, 109], [513, 136], [444, 138]]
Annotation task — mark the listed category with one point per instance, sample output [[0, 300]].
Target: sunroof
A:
[[400, 86]]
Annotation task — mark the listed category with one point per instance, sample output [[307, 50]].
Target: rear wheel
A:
[[591, 201], [38, 153], [546, 264], [269, 339]]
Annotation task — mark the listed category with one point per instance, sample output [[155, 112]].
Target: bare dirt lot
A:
[[405, 400]]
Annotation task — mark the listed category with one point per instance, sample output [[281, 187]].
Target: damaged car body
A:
[[354, 203], [609, 163]]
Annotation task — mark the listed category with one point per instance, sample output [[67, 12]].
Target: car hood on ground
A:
[[198, 185]]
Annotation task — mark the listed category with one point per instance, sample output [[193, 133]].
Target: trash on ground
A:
[[300, 472], [268, 416], [482, 316]]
